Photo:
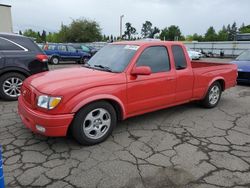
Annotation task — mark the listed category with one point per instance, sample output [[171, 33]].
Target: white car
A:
[[194, 55]]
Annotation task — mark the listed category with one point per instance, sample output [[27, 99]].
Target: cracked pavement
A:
[[183, 146]]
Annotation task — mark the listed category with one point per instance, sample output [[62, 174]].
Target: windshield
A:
[[113, 57], [245, 56]]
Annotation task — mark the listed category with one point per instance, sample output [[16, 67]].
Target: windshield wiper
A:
[[104, 68]]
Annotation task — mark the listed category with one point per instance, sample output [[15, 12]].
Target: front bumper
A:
[[55, 125], [243, 77]]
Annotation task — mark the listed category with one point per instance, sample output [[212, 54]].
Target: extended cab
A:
[[122, 80]]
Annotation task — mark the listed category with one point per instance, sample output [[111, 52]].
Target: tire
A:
[[213, 96], [94, 123], [84, 60], [54, 60], [10, 85]]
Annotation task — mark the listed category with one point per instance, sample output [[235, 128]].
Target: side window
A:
[[156, 58], [179, 57], [71, 49], [62, 48], [6, 45], [85, 48], [51, 47]]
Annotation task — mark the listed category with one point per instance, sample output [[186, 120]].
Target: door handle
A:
[[171, 78]]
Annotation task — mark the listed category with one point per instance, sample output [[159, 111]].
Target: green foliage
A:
[[211, 34], [82, 30], [171, 33], [147, 31], [130, 30], [244, 29], [232, 31], [223, 34]]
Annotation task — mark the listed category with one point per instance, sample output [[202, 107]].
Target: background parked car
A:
[[20, 57], [243, 63], [65, 52], [88, 49], [194, 55]]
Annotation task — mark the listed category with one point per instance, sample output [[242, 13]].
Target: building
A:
[[5, 19], [243, 37]]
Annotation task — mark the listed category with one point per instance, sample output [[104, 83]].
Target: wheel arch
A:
[[221, 81], [114, 101], [16, 70]]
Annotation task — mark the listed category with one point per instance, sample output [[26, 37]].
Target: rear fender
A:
[[211, 82]]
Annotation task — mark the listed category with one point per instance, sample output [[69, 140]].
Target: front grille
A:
[[244, 75]]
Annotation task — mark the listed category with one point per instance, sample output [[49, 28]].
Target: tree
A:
[[172, 33], [43, 36], [154, 31], [147, 31], [129, 31], [223, 34], [197, 37], [63, 35], [32, 34], [244, 29], [232, 31], [20, 32], [83, 30], [211, 34]]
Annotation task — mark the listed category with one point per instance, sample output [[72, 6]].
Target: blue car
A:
[[243, 63], [65, 52]]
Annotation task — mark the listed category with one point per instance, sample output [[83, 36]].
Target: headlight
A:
[[48, 102]]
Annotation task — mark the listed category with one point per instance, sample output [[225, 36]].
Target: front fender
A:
[[115, 93]]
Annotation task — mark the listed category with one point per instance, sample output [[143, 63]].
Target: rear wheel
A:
[[10, 84], [54, 60], [94, 123], [213, 95]]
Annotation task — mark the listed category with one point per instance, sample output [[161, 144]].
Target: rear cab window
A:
[[155, 57], [179, 57]]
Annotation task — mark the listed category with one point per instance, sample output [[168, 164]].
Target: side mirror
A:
[[142, 70]]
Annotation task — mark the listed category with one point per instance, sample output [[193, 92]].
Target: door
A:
[[2, 59], [74, 54], [149, 92], [64, 54], [184, 75]]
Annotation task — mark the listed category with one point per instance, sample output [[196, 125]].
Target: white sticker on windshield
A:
[[131, 47]]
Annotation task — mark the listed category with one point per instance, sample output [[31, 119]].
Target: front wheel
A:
[[10, 84], [94, 123], [213, 96]]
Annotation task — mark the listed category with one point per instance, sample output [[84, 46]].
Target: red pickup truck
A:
[[122, 80]]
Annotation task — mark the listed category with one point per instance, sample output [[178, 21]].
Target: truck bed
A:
[[205, 72], [201, 64]]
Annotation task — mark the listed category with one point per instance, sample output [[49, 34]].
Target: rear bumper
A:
[[55, 125]]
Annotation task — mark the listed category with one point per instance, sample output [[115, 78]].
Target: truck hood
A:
[[243, 66], [72, 80]]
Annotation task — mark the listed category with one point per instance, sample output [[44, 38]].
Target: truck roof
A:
[[141, 42]]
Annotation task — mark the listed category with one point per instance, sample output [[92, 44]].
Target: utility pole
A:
[[121, 26]]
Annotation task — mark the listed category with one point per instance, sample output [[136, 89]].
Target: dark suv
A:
[[20, 57]]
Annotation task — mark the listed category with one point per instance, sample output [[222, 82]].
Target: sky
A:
[[192, 16]]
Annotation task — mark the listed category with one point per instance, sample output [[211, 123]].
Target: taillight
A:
[[42, 58]]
